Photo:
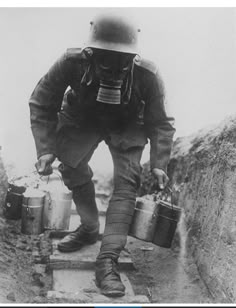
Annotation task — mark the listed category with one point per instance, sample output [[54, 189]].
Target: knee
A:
[[75, 177], [129, 181], [86, 190]]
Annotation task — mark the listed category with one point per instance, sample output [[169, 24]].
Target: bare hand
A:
[[44, 164], [161, 177]]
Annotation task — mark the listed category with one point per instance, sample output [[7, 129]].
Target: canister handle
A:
[[40, 177], [157, 195], [49, 195], [57, 175], [167, 191], [26, 202]]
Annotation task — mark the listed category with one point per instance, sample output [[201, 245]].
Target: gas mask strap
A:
[[89, 72], [88, 76], [128, 86]]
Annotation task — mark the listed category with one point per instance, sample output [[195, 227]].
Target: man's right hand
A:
[[44, 164]]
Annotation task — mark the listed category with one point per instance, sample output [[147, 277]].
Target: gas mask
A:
[[112, 69]]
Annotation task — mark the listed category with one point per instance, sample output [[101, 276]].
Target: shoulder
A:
[[75, 54], [150, 73], [145, 64]]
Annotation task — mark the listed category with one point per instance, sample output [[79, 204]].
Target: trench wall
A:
[[3, 184], [205, 166]]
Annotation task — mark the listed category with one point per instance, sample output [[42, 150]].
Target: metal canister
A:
[[57, 204], [32, 212], [144, 219], [168, 216], [57, 210], [13, 203]]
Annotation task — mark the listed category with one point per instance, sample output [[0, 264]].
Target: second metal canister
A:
[[32, 212], [168, 216], [57, 210]]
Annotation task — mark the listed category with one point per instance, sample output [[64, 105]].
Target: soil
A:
[[22, 279], [166, 275], [163, 275]]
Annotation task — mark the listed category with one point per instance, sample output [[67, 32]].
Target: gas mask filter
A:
[[109, 92]]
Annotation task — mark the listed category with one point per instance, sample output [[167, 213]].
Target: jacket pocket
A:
[[133, 136]]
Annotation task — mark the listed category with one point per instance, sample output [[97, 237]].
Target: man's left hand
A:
[[161, 177]]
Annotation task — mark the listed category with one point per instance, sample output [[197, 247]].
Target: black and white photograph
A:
[[117, 153]]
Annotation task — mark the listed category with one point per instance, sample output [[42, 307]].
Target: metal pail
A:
[[168, 216], [32, 212], [57, 205], [144, 219], [57, 210]]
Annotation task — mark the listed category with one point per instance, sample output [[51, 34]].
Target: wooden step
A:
[[71, 280], [79, 285], [84, 258], [73, 273], [94, 298]]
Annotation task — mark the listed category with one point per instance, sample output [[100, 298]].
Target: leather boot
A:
[[78, 238], [108, 277]]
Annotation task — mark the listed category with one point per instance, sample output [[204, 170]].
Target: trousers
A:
[[126, 181]]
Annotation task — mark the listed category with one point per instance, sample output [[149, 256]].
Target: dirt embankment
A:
[[22, 280], [204, 166], [3, 183]]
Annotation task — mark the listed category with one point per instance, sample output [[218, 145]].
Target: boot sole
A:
[[66, 249], [113, 293]]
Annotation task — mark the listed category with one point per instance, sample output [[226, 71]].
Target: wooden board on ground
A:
[[72, 280], [84, 258], [93, 298]]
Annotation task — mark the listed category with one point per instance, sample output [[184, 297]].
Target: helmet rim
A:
[[110, 46]]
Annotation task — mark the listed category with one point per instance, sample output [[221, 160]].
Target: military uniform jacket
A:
[[68, 123]]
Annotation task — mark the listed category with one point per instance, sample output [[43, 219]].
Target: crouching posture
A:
[[102, 92]]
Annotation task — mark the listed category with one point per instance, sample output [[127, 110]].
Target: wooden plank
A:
[[93, 298], [59, 234], [83, 258], [86, 251], [83, 281], [125, 264]]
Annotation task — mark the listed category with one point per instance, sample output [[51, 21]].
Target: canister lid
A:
[[171, 206], [145, 203], [16, 189], [169, 210], [33, 197]]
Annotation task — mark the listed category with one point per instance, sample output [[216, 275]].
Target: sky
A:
[[193, 47]]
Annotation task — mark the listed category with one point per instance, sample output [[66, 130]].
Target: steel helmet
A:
[[112, 32]]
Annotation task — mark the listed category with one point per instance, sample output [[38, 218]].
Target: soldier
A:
[[104, 91]]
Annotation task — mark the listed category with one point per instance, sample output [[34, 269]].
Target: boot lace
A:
[[112, 270]]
